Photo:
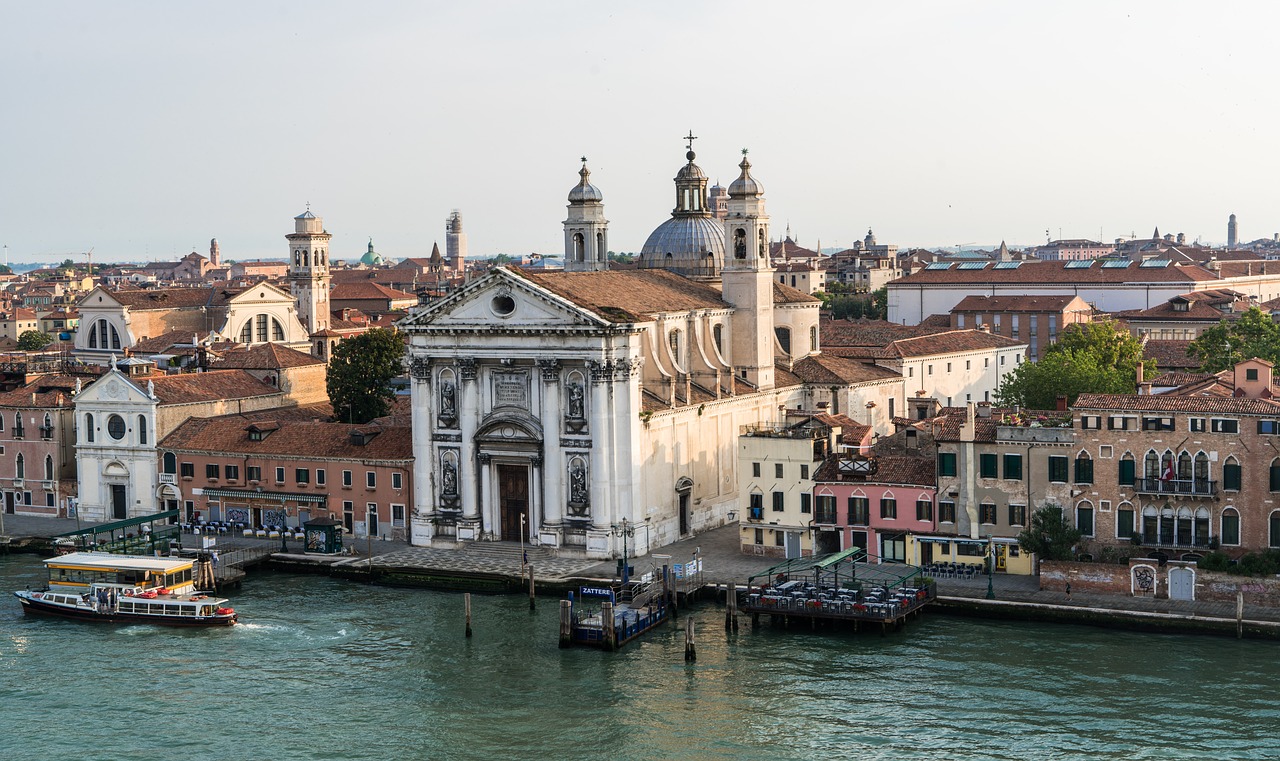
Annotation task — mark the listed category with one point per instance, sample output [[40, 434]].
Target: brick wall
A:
[[1108, 579]]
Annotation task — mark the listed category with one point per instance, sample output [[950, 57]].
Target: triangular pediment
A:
[[500, 301], [262, 293], [98, 298], [113, 387]]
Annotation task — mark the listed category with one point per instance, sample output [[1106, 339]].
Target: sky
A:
[[140, 130]]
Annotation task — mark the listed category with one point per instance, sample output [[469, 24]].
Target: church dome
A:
[[690, 171], [371, 258], [692, 246], [584, 191], [745, 185]]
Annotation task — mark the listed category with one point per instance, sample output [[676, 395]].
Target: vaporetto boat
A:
[[99, 586]]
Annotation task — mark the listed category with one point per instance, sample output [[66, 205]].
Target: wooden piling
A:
[[566, 623], [690, 652], [466, 605], [730, 615], [607, 624], [531, 588], [1239, 615]]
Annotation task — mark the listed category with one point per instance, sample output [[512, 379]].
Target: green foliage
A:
[[33, 340], [1050, 535], [500, 259], [1215, 561], [5, 269], [880, 298], [1254, 334], [359, 375], [1097, 357], [845, 304], [67, 264], [621, 257]]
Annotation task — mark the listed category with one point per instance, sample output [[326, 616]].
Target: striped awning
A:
[[272, 496]]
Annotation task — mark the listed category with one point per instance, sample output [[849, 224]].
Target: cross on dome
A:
[[690, 137]]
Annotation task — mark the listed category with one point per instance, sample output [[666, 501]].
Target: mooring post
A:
[[1239, 615], [607, 624], [690, 652], [668, 593], [566, 623], [466, 605], [729, 596], [531, 589]]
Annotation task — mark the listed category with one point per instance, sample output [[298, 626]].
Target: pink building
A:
[[875, 502], [264, 472]]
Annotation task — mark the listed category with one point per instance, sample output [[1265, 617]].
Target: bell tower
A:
[[747, 279], [309, 270], [586, 231]]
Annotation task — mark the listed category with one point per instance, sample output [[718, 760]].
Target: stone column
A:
[[625, 419], [535, 497], [468, 418], [486, 492], [421, 524], [601, 451], [552, 468]]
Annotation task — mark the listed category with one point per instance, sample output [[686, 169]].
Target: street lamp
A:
[[624, 531], [991, 564]]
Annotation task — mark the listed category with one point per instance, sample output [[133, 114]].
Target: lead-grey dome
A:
[[745, 185], [584, 191], [692, 246]]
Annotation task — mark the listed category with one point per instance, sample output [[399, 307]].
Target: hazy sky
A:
[[144, 129]]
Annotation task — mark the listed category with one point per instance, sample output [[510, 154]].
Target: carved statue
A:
[[577, 483], [576, 409], [449, 478], [447, 409]]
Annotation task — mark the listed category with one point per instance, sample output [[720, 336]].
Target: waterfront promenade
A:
[[723, 563]]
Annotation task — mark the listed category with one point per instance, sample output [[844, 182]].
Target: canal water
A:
[[328, 669]]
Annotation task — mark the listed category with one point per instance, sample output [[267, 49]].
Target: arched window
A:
[[306, 259], [93, 337], [673, 340], [1274, 533], [277, 330], [142, 429], [88, 428], [48, 468], [579, 247], [717, 335], [739, 243], [262, 328], [297, 258], [1230, 529], [601, 253], [1184, 467], [1127, 466], [1084, 468], [1231, 474], [17, 425], [20, 467], [1124, 521], [1275, 475], [246, 333], [813, 338], [784, 339], [1151, 465], [1150, 523], [170, 463]]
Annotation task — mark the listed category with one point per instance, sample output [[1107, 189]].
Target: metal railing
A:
[[1192, 486]]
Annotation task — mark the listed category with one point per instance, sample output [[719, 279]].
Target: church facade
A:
[[589, 407]]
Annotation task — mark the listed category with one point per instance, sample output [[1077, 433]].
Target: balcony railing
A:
[[1184, 542], [166, 478], [755, 514], [1197, 487], [825, 517]]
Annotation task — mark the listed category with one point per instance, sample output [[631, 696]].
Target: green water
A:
[[326, 669]]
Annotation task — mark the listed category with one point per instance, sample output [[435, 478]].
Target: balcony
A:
[[166, 478], [755, 514], [1182, 541], [825, 517], [1189, 487]]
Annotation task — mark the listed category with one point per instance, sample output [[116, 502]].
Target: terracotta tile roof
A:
[[1175, 379], [366, 290], [1169, 354], [785, 294], [223, 435], [890, 469], [173, 298], [1172, 403], [187, 388], [1196, 310], [1013, 303], [836, 333], [828, 369], [50, 391], [1033, 272], [936, 322], [623, 296], [949, 342], [265, 357], [162, 343]]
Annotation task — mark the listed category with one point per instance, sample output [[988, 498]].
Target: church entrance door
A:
[[513, 499], [119, 508]]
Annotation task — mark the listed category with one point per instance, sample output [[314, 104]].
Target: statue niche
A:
[[575, 417], [448, 416], [579, 497]]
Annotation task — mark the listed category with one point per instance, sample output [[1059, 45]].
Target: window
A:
[[924, 510], [1120, 423], [142, 429], [397, 515], [302, 475], [1275, 475], [20, 468], [779, 502], [946, 463], [804, 472], [826, 509], [370, 480], [1013, 467], [946, 511], [346, 479], [859, 511], [1090, 422], [253, 472], [1230, 526], [988, 465], [1124, 523], [188, 470], [1017, 515], [1251, 374], [759, 536], [1128, 470], [1084, 470], [1270, 427], [115, 428], [777, 470], [987, 513], [1084, 520], [1197, 424], [931, 369], [1058, 469], [1224, 425], [279, 475], [320, 477], [806, 502], [170, 463], [211, 471], [755, 470], [1231, 475], [888, 508], [232, 472], [1157, 424]]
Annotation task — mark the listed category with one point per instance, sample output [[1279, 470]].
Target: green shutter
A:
[[1124, 524], [1127, 472], [987, 464], [1013, 467], [1231, 476], [1084, 470]]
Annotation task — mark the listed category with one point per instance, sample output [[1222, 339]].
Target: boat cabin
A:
[[80, 570]]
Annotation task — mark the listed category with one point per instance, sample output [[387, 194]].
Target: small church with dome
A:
[[574, 408]]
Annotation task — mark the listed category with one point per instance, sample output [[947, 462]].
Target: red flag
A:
[[1168, 473]]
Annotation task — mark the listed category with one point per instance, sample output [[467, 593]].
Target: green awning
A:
[[107, 528], [274, 496], [831, 560]]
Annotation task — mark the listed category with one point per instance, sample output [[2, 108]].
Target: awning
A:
[[272, 496], [107, 528]]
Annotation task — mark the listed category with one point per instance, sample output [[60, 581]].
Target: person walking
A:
[[1068, 591]]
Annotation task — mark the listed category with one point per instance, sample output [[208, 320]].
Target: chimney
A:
[[984, 409], [1139, 372], [1060, 403]]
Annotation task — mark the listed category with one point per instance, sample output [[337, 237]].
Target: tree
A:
[[880, 298], [359, 375], [1096, 357], [1049, 535], [1254, 334], [33, 340]]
